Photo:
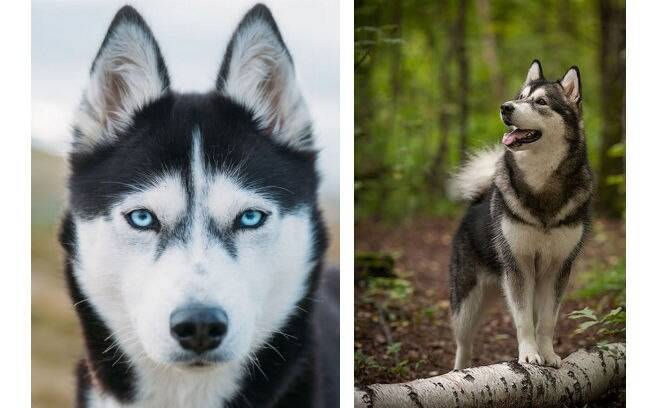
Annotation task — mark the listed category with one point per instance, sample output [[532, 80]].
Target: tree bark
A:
[[437, 173], [584, 376], [490, 49], [463, 78], [612, 97]]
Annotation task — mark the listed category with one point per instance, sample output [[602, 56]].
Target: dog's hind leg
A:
[[467, 316]]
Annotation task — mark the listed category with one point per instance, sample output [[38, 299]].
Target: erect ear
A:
[[572, 84], [258, 72], [128, 72], [535, 72]]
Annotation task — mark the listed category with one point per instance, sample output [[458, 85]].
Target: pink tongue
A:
[[514, 135], [508, 139]]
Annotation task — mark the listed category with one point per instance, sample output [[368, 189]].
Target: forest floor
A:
[[402, 326]]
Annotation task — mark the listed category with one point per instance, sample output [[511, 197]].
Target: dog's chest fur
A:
[[539, 247], [542, 223]]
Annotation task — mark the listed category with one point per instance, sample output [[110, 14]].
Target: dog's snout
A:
[[506, 108], [198, 328]]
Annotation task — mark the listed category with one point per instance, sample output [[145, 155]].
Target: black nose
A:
[[198, 328], [506, 108]]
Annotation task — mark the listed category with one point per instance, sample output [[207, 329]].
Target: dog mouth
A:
[[518, 137], [197, 362]]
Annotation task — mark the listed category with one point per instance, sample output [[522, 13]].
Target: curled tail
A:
[[475, 176]]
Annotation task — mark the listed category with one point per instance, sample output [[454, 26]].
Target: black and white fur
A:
[[527, 219], [197, 161]]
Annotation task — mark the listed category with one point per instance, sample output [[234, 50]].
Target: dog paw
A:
[[551, 359], [530, 357]]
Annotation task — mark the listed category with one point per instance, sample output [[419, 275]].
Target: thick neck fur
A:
[[551, 181], [539, 163]]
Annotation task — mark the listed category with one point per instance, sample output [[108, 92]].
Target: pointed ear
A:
[[572, 84], [535, 72], [128, 72], [258, 72]]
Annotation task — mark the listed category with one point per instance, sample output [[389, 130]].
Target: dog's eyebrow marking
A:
[[538, 92]]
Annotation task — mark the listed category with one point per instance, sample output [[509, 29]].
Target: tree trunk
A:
[[490, 50], [612, 96], [584, 376], [463, 78], [437, 173]]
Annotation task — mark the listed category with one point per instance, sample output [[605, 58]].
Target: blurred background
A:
[[430, 76], [193, 36], [429, 79]]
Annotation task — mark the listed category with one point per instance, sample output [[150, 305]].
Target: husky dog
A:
[[193, 238], [527, 220]]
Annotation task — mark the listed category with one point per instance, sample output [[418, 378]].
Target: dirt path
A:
[[403, 339]]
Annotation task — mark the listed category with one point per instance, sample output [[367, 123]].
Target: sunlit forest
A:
[[430, 76]]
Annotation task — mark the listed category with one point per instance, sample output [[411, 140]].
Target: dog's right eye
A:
[[541, 101], [142, 219]]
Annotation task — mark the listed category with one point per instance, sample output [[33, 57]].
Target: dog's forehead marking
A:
[[197, 168], [539, 92], [197, 195]]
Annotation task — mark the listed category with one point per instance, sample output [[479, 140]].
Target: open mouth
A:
[[518, 137]]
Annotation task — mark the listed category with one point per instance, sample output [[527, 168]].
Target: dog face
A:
[[195, 216], [544, 113]]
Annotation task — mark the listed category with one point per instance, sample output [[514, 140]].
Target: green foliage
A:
[[606, 284], [407, 93], [394, 288], [600, 282], [369, 264], [401, 368], [394, 348], [361, 360], [610, 323]]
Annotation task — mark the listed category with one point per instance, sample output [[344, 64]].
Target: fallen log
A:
[[583, 377]]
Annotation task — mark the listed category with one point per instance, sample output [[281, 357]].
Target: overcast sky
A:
[[193, 36]]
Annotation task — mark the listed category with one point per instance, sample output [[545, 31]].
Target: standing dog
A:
[[528, 217], [193, 237]]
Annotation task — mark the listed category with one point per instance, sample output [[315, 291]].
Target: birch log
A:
[[583, 377]]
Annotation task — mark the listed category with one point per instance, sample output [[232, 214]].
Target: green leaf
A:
[[585, 325], [586, 313], [617, 150], [394, 348], [615, 180]]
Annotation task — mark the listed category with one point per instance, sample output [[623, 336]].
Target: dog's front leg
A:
[[518, 284], [548, 295]]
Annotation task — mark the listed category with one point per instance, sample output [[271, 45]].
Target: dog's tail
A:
[[475, 176]]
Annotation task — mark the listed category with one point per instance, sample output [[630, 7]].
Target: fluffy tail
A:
[[475, 176]]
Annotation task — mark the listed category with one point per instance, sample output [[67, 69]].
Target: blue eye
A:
[[252, 219], [142, 219]]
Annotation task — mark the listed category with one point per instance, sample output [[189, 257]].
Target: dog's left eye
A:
[[541, 101], [142, 219], [251, 219]]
